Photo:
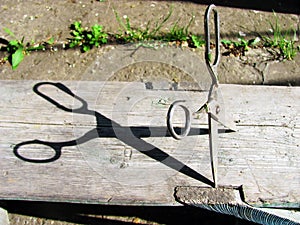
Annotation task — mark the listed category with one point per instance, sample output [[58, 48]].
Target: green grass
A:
[[284, 42], [197, 41], [130, 34], [177, 32]]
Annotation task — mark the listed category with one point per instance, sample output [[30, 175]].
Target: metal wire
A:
[[212, 69], [188, 120]]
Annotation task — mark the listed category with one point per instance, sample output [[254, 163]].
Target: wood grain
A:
[[103, 161]]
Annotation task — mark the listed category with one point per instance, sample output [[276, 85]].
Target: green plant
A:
[[197, 41], [15, 49], [241, 46], [241, 43], [281, 41], [85, 38], [130, 34], [179, 33]]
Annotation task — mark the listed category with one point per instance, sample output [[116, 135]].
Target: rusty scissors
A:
[[212, 106]]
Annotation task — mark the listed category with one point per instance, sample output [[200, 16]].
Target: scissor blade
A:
[[213, 146], [225, 122]]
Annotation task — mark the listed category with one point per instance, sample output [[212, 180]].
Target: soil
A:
[[38, 21]]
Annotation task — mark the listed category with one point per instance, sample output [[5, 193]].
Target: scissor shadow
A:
[[107, 128]]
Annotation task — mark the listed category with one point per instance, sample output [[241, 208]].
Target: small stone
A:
[[242, 34]]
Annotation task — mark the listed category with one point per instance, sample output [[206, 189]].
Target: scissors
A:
[[212, 106]]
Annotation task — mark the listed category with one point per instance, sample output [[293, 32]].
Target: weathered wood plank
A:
[[228, 201], [110, 165], [4, 217]]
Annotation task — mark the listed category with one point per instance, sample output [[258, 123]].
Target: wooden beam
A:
[[4, 217], [227, 201], [117, 149]]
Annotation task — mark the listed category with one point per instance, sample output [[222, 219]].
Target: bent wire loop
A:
[[188, 120]]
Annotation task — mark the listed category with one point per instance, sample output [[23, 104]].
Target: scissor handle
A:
[[188, 121], [207, 37], [56, 147]]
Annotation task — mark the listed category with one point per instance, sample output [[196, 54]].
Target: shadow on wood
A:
[[100, 214], [107, 128]]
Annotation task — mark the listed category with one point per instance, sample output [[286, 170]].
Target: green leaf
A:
[[50, 41], [104, 40], [78, 38], [77, 25], [13, 46], [73, 44], [9, 32], [244, 43], [16, 58], [226, 42], [96, 28], [75, 33], [14, 43], [86, 48], [89, 36], [197, 41]]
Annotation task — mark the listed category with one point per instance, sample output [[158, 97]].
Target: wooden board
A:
[[3, 217], [102, 160]]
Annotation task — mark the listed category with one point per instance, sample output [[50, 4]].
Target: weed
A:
[[197, 41], [281, 41], [179, 33], [182, 34], [239, 47], [15, 49], [130, 34], [86, 39]]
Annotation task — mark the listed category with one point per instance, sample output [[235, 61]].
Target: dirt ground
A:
[[40, 20]]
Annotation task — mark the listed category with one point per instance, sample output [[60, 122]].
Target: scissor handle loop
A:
[[188, 121], [55, 147], [207, 37]]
